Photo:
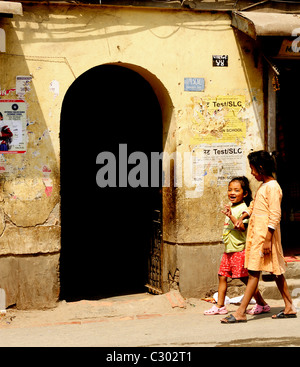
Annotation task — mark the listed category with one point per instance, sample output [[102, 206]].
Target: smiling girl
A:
[[232, 263]]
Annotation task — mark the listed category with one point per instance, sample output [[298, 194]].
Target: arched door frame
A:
[[166, 111]]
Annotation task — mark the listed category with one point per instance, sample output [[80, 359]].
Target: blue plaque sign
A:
[[194, 84]]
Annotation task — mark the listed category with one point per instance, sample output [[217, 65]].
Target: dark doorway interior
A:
[[288, 133], [106, 232]]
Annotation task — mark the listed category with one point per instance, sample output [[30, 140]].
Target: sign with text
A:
[[12, 126], [220, 60], [194, 84]]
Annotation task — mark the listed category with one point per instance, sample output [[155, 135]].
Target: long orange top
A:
[[265, 211]]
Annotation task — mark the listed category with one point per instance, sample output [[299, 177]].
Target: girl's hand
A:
[[267, 247], [239, 223], [227, 210]]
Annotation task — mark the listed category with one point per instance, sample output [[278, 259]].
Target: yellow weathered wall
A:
[[59, 43]]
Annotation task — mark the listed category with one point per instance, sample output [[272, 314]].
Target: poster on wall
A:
[[12, 126], [218, 130], [224, 160], [218, 120], [219, 162]]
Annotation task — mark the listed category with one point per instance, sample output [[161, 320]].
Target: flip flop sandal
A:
[[230, 319], [282, 315]]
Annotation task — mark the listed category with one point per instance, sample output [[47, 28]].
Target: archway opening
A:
[[106, 231]]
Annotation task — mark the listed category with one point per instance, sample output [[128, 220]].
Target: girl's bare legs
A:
[[257, 296], [253, 280], [222, 291], [283, 288]]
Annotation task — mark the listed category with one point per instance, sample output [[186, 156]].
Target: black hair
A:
[[1, 114], [244, 182], [264, 162]]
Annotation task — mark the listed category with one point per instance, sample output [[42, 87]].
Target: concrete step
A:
[[267, 285], [292, 272], [269, 290]]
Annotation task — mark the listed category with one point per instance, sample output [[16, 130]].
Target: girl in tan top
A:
[[263, 247]]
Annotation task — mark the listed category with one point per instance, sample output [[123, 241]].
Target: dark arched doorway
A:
[[106, 232]]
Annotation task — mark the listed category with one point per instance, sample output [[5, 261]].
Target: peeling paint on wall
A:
[[6, 92], [47, 180], [54, 88], [218, 119]]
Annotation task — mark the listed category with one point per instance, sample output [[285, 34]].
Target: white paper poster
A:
[[223, 160], [12, 126]]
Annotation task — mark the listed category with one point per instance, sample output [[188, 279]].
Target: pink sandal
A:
[[258, 309], [216, 311]]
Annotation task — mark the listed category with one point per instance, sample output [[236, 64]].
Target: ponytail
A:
[[264, 162]]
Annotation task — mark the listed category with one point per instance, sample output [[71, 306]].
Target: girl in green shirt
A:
[[232, 263]]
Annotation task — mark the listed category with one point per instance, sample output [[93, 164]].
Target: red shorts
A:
[[232, 265]]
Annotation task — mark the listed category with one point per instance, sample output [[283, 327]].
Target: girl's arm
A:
[[246, 214], [274, 200], [233, 219], [239, 222]]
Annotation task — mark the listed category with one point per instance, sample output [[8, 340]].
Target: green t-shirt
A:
[[234, 239]]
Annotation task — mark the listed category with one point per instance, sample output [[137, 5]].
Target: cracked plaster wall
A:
[[47, 44]]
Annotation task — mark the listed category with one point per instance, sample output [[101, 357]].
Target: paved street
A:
[[143, 321]]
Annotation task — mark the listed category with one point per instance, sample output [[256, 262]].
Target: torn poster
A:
[[225, 161], [23, 85], [12, 126]]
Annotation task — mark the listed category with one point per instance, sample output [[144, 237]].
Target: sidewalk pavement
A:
[[143, 320]]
